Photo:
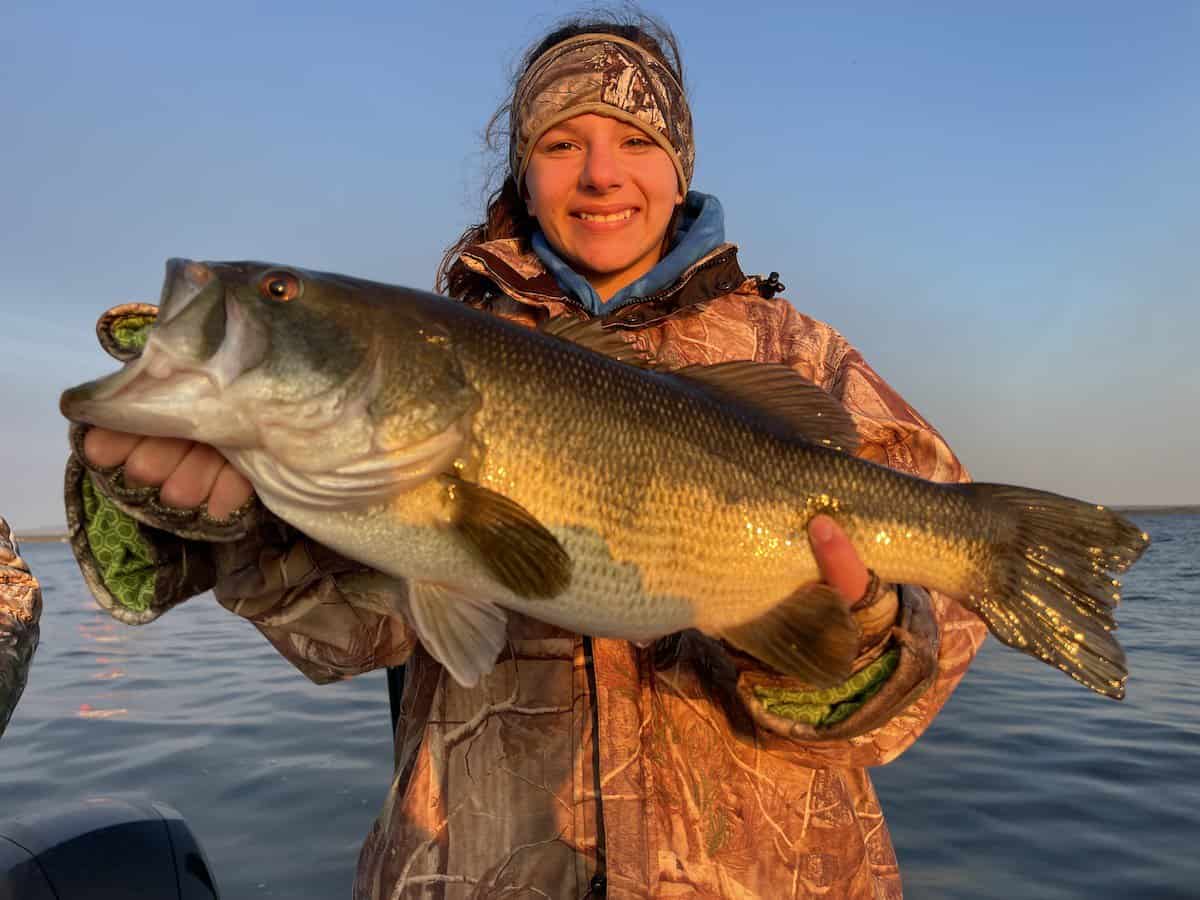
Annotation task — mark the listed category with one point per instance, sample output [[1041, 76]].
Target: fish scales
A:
[[664, 490], [649, 472], [497, 468]]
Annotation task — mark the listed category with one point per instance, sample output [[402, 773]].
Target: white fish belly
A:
[[605, 598]]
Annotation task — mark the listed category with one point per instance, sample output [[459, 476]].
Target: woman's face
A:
[[603, 194]]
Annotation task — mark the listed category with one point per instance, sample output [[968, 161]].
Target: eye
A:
[[555, 142], [280, 286]]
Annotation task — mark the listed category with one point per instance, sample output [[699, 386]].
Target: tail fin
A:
[[1051, 591]]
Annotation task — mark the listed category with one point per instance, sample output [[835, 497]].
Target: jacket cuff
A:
[[330, 616], [867, 700], [134, 571]]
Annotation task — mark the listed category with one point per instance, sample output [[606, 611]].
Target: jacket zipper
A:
[[598, 886], [677, 286]]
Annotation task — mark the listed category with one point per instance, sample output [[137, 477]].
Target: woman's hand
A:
[[187, 474], [837, 559]]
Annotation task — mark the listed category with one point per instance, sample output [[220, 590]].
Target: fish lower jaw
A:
[[156, 373], [158, 405]]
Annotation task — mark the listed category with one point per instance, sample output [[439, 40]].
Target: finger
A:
[[841, 568], [154, 459], [230, 491], [193, 479], [107, 448]]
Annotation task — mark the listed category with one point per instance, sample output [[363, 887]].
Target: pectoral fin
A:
[[811, 635], [464, 633], [519, 550]]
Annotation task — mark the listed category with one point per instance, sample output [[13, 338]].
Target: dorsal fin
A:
[[592, 334], [779, 394], [773, 391]]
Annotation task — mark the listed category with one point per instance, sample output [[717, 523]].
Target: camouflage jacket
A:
[[20, 613], [581, 767]]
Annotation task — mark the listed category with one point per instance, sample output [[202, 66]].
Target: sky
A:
[[999, 207]]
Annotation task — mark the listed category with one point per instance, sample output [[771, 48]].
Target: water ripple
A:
[[1025, 786]]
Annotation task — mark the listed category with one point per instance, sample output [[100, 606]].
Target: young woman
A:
[[582, 767]]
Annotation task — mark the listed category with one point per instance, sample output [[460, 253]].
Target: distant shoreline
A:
[[1185, 510], [56, 537]]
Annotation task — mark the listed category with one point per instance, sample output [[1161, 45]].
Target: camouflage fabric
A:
[[20, 612], [585, 767], [610, 76]]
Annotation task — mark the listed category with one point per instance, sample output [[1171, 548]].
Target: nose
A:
[[601, 169]]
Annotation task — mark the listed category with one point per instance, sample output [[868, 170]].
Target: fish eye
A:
[[279, 286]]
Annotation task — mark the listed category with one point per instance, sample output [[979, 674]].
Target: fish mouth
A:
[[165, 392], [148, 396]]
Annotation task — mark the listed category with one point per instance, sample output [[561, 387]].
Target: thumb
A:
[[839, 563]]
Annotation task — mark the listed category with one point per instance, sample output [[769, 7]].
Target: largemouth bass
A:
[[556, 474]]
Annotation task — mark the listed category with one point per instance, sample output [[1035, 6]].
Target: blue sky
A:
[[1000, 207]]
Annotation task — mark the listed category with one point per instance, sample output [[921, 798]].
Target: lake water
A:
[[1026, 785]]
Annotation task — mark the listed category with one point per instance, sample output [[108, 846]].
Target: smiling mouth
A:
[[606, 217]]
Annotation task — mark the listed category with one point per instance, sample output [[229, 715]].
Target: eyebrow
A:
[[559, 130], [565, 129]]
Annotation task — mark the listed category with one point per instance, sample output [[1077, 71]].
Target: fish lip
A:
[[166, 391], [155, 366], [185, 281]]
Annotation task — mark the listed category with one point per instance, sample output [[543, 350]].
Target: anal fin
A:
[[810, 635], [463, 632]]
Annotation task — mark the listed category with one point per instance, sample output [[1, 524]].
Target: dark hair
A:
[[506, 215]]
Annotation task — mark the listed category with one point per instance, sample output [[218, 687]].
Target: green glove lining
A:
[[130, 332], [122, 554], [830, 705]]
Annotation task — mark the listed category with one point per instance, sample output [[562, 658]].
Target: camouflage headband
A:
[[610, 76]]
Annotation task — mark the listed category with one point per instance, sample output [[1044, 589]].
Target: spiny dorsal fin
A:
[[774, 391], [778, 392], [592, 334], [810, 635], [523, 555]]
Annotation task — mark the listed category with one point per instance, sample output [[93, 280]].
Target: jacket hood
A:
[[512, 266]]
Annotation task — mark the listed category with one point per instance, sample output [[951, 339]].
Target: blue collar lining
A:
[[701, 230]]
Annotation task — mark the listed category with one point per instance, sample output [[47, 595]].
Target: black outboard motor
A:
[[103, 849]]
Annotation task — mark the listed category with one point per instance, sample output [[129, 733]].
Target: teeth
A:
[[613, 217]]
